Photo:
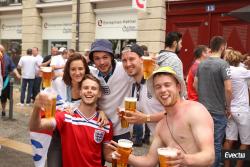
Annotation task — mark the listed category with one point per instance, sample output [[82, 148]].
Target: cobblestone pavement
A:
[[16, 151]]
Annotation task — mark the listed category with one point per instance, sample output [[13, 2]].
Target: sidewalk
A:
[[14, 136]]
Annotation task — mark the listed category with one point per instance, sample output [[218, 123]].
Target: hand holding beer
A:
[[124, 149], [46, 100], [47, 73], [130, 105], [166, 154], [148, 66]]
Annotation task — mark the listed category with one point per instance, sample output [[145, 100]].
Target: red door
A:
[[194, 33], [198, 25]]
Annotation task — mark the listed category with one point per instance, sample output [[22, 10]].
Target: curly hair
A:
[[233, 57], [66, 75]]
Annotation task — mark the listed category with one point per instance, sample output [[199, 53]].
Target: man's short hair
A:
[[198, 51], [29, 51], [216, 43], [171, 37], [93, 78]]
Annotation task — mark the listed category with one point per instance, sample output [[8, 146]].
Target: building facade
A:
[[77, 23]]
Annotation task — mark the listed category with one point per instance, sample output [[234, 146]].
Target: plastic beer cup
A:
[[50, 108], [148, 66], [130, 104], [164, 154], [47, 76], [124, 149]]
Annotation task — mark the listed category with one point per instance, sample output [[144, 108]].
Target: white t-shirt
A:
[[148, 105], [60, 87], [240, 100], [39, 59], [118, 86], [58, 61], [28, 66]]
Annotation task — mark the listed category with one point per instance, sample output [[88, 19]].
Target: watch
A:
[[148, 118]]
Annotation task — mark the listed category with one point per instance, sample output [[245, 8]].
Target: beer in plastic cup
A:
[[164, 154], [130, 103], [148, 66], [47, 76], [124, 149], [50, 108], [124, 122]]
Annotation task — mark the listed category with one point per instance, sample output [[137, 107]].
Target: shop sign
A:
[[116, 26], [139, 4], [11, 28], [57, 27]]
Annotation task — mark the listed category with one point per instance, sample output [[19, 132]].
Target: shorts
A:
[[239, 123], [5, 94]]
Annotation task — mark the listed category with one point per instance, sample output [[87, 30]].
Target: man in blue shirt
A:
[[9, 67]]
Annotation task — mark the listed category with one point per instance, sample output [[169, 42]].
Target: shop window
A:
[[10, 2], [49, 1]]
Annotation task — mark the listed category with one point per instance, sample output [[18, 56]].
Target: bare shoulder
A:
[[196, 110]]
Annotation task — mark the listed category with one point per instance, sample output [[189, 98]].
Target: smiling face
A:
[[132, 63], [77, 71], [90, 92], [102, 61], [167, 89]]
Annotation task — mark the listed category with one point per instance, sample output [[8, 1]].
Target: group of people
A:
[[192, 119], [90, 133]]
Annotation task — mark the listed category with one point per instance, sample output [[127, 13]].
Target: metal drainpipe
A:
[[77, 24]]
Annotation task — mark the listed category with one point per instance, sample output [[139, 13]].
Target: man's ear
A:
[[174, 45]]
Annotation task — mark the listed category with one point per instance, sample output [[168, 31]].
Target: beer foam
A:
[[168, 152], [46, 69], [125, 143], [131, 99], [146, 58]]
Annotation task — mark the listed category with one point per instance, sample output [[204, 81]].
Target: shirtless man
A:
[[187, 125]]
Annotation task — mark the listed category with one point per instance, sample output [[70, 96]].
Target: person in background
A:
[[71, 52], [58, 61], [145, 49], [47, 59], [201, 53], [38, 79], [239, 123], [83, 140], [214, 87], [169, 56], [86, 56], [27, 64], [9, 67]]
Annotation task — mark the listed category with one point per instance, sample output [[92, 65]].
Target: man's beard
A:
[[177, 50]]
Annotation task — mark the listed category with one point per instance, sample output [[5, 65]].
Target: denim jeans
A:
[[36, 87], [220, 123], [30, 83], [138, 132]]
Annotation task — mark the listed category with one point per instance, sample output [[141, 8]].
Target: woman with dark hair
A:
[[68, 87]]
